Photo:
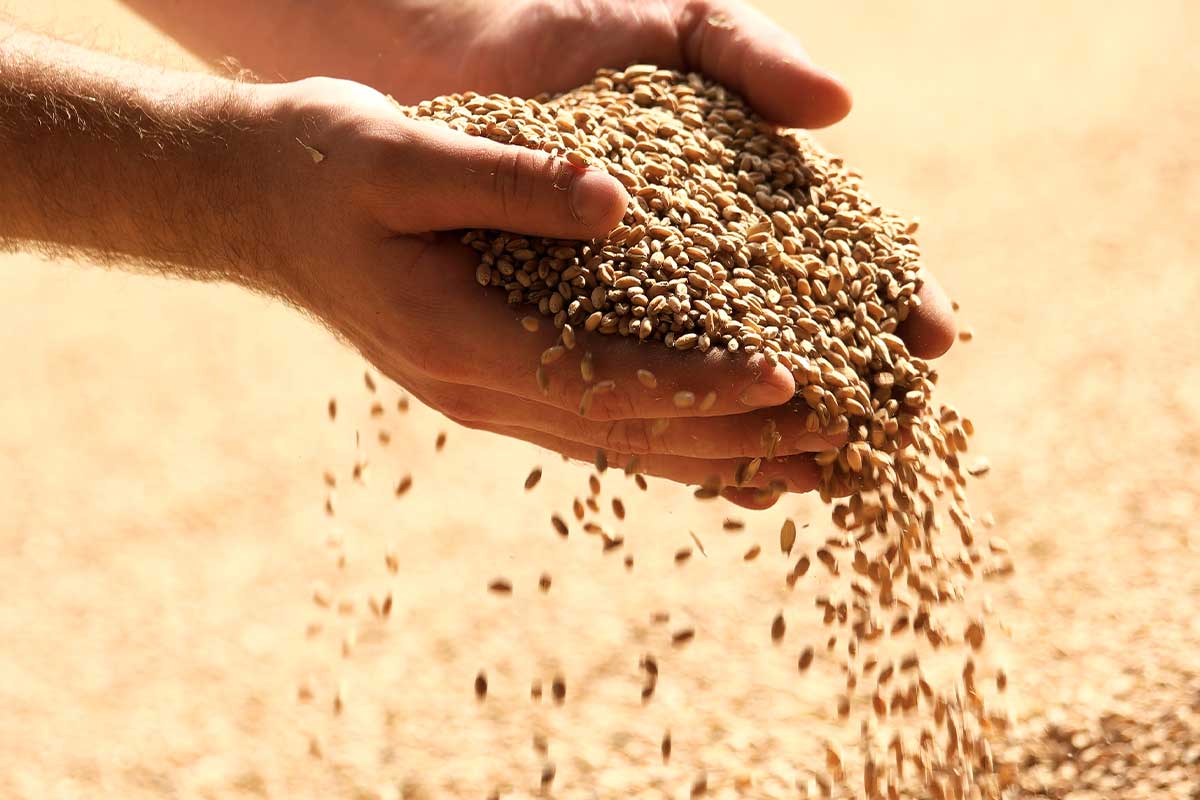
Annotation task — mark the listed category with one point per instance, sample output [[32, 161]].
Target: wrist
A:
[[318, 165], [261, 185]]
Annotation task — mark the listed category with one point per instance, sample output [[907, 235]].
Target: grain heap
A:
[[750, 239], [1146, 745], [739, 237]]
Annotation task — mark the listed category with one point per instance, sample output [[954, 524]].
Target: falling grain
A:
[[531, 480], [340, 698], [806, 658], [787, 537], [778, 628], [683, 636], [980, 467]]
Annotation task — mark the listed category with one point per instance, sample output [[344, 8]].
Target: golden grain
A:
[[683, 399], [787, 537], [531, 480], [778, 627], [683, 636], [618, 508]]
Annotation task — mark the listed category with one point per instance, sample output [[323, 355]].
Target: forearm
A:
[[130, 163]]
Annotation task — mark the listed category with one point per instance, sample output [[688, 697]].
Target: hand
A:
[[528, 47], [415, 49], [362, 225]]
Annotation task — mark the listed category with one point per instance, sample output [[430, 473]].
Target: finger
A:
[[485, 344], [794, 474], [745, 50], [441, 179], [929, 331], [635, 380], [774, 432]]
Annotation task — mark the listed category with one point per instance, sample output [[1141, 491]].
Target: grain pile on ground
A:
[[1146, 745], [745, 238]]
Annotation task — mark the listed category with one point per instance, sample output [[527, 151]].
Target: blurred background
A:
[[162, 446]]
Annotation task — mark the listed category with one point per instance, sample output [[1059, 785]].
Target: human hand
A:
[[415, 49], [363, 227], [528, 47]]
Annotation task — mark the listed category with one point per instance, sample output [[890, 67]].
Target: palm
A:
[[529, 47]]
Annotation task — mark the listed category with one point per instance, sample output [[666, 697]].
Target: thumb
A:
[[464, 181]]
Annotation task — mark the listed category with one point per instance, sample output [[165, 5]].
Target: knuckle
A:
[[630, 436], [511, 182], [613, 405]]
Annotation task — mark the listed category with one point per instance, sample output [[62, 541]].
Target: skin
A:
[[318, 192]]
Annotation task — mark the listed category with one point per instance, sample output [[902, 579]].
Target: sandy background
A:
[[162, 446]]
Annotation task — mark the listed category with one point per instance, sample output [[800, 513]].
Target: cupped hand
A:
[[528, 47], [369, 198]]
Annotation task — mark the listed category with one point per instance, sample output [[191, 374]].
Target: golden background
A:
[[162, 445]]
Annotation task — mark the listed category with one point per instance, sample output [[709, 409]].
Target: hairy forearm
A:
[[130, 163]]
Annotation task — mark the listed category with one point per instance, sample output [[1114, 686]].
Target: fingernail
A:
[[593, 198], [772, 388]]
